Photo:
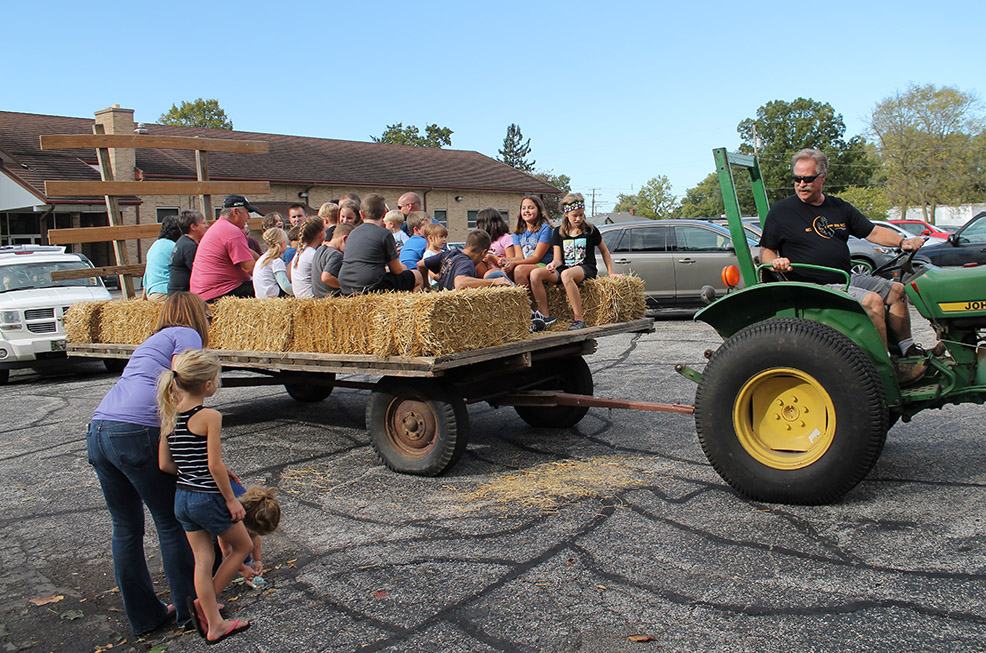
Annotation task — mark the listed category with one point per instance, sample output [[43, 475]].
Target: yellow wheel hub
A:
[[784, 418]]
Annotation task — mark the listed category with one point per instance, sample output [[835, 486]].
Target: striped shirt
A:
[[190, 454]]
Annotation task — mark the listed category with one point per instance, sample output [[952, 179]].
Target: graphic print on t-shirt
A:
[[574, 251], [824, 228]]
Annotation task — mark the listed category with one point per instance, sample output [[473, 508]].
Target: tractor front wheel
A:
[[791, 411]]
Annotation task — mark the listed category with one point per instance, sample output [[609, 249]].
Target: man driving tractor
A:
[[812, 227]]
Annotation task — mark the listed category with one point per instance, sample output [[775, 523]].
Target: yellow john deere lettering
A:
[[958, 307]]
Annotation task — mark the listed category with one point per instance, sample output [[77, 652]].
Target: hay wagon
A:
[[416, 413]]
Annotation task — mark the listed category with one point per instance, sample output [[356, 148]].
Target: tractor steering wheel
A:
[[904, 261]]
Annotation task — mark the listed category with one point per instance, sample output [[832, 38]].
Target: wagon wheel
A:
[[791, 411], [570, 375], [115, 365], [319, 387], [417, 427]]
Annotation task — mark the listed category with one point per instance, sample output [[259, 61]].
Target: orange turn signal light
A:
[[730, 276]]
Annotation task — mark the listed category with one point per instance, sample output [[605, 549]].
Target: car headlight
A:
[[10, 320], [884, 250]]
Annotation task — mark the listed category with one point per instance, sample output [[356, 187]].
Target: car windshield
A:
[[38, 275]]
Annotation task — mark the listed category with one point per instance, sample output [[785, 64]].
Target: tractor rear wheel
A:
[[791, 411]]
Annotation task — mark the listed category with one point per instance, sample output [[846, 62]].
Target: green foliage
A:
[[704, 200], [197, 113], [515, 149], [562, 183], [930, 142], [654, 200], [398, 134], [786, 127], [870, 201]]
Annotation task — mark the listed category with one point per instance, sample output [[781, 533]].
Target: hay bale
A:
[[335, 325], [82, 322], [440, 323], [605, 300], [252, 324], [127, 321]]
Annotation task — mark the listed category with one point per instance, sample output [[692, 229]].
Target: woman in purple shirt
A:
[[122, 442]]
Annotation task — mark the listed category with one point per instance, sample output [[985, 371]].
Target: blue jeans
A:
[[125, 457]]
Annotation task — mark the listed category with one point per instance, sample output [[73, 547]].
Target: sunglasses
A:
[[809, 179]]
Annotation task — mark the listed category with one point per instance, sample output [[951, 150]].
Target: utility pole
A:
[[592, 191]]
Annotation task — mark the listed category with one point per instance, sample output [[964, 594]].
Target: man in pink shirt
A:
[[223, 261]]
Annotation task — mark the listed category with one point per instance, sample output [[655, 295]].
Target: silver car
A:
[[675, 258]]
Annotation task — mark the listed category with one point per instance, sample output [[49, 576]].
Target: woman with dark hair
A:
[[156, 273], [122, 442]]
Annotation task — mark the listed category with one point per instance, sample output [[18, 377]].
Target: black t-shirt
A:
[[180, 268], [578, 250], [449, 265], [368, 249], [814, 234]]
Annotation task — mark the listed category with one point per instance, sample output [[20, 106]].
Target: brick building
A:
[[455, 184]]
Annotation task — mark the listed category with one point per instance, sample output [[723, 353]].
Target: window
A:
[[613, 242], [700, 239], [442, 216], [648, 239], [471, 219], [217, 210], [165, 211]]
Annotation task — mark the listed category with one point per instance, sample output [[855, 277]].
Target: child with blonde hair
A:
[[311, 236], [437, 236], [204, 501], [574, 260], [263, 516], [270, 276], [394, 221]]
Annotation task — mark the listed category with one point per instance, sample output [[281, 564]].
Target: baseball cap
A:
[[238, 200]]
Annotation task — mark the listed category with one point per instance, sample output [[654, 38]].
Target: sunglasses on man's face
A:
[[809, 179]]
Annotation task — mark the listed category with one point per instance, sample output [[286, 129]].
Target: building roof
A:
[[292, 159], [610, 218]]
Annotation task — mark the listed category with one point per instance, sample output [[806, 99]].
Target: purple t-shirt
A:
[[134, 397]]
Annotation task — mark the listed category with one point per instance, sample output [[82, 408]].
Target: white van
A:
[[32, 305]]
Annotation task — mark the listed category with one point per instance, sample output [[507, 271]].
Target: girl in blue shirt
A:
[[532, 241]]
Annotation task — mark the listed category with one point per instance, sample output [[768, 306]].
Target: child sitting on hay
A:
[[457, 268], [574, 260], [370, 262]]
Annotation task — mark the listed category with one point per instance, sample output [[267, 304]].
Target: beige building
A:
[[455, 184]]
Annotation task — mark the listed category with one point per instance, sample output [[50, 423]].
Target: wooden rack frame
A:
[[118, 233]]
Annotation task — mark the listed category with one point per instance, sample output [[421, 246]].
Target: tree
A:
[[398, 134], [654, 200], [783, 128], [870, 201], [515, 150], [926, 138], [562, 183], [197, 113], [704, 200]]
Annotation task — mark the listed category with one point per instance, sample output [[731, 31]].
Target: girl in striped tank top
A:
[[204, 501]]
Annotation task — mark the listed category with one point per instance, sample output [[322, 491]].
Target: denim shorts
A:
[[202, 511]]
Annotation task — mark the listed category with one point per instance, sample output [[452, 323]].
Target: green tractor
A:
[[795, 405]]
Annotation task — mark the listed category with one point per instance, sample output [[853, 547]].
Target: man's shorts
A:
[[861, 284], [202, 511]]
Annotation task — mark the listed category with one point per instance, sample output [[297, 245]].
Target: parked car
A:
[[967, 246], [928, 240], [922, 228], [32, 306], [675, 258]]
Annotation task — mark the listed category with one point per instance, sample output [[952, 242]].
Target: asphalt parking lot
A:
[[539, 540]]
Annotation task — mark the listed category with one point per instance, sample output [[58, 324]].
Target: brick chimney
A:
[[119, 121]]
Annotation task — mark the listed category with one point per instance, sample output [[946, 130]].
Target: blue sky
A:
[[611, 94]]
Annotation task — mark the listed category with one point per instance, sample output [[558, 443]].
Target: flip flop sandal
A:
[[199, 622], [237, 627]]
